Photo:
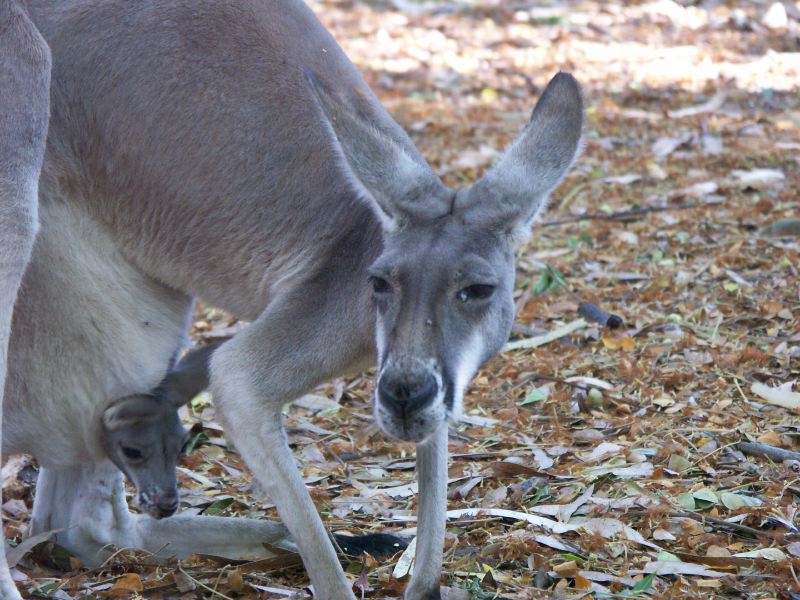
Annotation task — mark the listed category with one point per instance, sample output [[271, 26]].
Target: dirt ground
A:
[[608, 462]]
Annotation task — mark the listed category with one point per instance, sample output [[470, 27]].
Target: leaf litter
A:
[[656, 458]]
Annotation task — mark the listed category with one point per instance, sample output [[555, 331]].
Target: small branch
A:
[[551, 336], [722, 523], [199, 583], [623, 215], [771, 452]]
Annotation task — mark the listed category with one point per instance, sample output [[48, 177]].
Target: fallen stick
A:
[[623, 214], [541, 340], [722, 523], [776, 454]]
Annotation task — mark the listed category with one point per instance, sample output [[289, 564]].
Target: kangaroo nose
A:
[[167, 505], [404, 394]]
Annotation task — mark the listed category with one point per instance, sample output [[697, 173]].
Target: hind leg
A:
[[24, 69], [87, 504]]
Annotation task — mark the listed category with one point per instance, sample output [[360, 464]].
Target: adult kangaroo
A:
[[231, 151], [24, 110]]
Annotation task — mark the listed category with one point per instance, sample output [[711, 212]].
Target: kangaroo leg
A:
[[24, 108], [229, 537], [88, 504], [432, 474], [283, 354]]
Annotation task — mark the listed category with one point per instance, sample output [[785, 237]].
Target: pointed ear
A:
[[513, 192], [190, 376], [131, 411], [390, 174]]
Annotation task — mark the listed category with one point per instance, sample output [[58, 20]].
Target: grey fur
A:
[[189, 155], [24, 108]]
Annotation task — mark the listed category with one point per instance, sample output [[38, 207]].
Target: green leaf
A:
[[570, 556], [644, 584], [328, 412], [686, 501], [705, 498], [192, 444], [678, 463], [219, 506], [668, 557], [550, 279], [733, 501], [706, 495], [640, 588], [535, 395]]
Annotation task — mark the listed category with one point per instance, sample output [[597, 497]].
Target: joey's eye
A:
[[132, 453], [478, 291], [380, 285]]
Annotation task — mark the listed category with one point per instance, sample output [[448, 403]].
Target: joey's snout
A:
[[158, 504], [409, 401]]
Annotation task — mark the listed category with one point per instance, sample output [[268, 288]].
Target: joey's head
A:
[[143, 436], [443, 284]]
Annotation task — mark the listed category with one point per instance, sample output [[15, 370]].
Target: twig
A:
[[203, 585], [721, 523], [622, 215], [776, 454], [551, 336]]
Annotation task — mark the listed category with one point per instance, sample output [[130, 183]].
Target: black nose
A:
[[166, 505], [404, 394]]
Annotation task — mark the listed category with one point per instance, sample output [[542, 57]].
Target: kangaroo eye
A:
[[380, 285], [479, 291], [132, 453]]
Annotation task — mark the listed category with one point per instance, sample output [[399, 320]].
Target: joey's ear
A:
[[391, 175], [131, 411], [190, 376], [512, 193]]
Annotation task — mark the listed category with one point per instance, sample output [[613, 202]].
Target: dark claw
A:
[[378, 545], [594, 313]]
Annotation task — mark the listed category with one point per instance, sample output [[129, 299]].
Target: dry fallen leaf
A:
[[625, 343], [780, 396], [127, 585]]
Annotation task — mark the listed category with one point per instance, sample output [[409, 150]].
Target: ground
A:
[[608, 461]]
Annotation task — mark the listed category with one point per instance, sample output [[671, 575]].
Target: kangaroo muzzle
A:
[[409, 400]]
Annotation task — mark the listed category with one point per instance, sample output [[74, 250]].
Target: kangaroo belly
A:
[[88, 328]]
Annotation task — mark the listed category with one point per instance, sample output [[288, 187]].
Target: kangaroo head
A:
[[443, 285], [143, 436]]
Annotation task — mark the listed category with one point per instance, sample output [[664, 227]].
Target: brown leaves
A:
[[659, 225], [624, 343], [126, 586]]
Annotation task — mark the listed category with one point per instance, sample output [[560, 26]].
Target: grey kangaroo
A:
[[24, 110], [231, 151]]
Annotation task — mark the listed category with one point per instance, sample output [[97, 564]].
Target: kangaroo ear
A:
[[189, 377], [515, 190], [131, 411], [391, 175]]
